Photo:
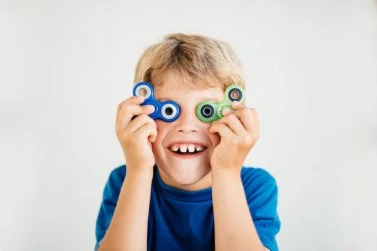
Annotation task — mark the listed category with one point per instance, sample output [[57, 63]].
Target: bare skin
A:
[[128, 228], [234, 227]]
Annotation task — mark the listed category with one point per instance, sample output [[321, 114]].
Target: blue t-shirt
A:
[[183, 220]]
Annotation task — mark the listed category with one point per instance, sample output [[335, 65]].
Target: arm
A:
[[128, 227], [234, 227], [125, 227]]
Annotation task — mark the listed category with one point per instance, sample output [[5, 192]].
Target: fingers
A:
[[147, 130], [133, 122], [136, 100], [241, 120], [130, 108], [232, 121], [223, 130], [249, 117], [138, 122], [237, 105]]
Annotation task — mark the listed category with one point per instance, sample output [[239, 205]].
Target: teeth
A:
[[191, 148], [183, 148]]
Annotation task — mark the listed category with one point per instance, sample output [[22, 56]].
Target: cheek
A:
[[215, 138], [162, 130]]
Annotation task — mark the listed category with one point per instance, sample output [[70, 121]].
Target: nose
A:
[[187, 122]]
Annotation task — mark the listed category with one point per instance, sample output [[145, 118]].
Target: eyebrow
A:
[[164, 99], [204, 99], [212, 99]]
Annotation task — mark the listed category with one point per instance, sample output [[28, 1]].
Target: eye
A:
[[143, 90], [169, 111], [207, 111], [234, 94]]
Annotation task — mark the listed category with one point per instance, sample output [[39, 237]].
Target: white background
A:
[[311, 68]]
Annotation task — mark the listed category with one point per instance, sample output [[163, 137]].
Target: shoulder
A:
[[118, 173], [262, 197], [115, 181], [256, 176], [258, 183]]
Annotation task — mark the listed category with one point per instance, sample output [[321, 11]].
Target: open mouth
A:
[[187, 149]]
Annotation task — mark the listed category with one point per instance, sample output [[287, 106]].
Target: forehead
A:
[[185, 92], [175, 87]]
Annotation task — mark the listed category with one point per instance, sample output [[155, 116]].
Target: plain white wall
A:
[[311, 68]]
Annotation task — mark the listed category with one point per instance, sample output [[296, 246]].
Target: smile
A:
[[187, 148]]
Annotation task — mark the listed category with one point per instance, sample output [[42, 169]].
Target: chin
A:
[[185, 178]]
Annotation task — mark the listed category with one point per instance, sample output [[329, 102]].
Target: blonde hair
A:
[[192, 57]]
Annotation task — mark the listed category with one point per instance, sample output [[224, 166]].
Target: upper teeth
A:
[[186, 147]]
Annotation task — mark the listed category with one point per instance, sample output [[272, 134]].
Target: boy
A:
[[184, 186]]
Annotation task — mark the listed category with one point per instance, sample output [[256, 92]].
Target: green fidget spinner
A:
[[208, 111]]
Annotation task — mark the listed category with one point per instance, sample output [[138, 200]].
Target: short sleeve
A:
[[262, 197], [108, 204]]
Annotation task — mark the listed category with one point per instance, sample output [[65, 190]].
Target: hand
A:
[[135, 134], [239, 131]]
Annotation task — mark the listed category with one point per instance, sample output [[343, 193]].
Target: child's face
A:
[[188, 171]]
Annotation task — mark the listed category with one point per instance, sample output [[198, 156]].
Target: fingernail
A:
[[235, 103], [150, 108], [141, 97], [225, 111]]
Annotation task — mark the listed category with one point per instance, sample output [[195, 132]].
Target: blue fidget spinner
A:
[[167, 111]]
